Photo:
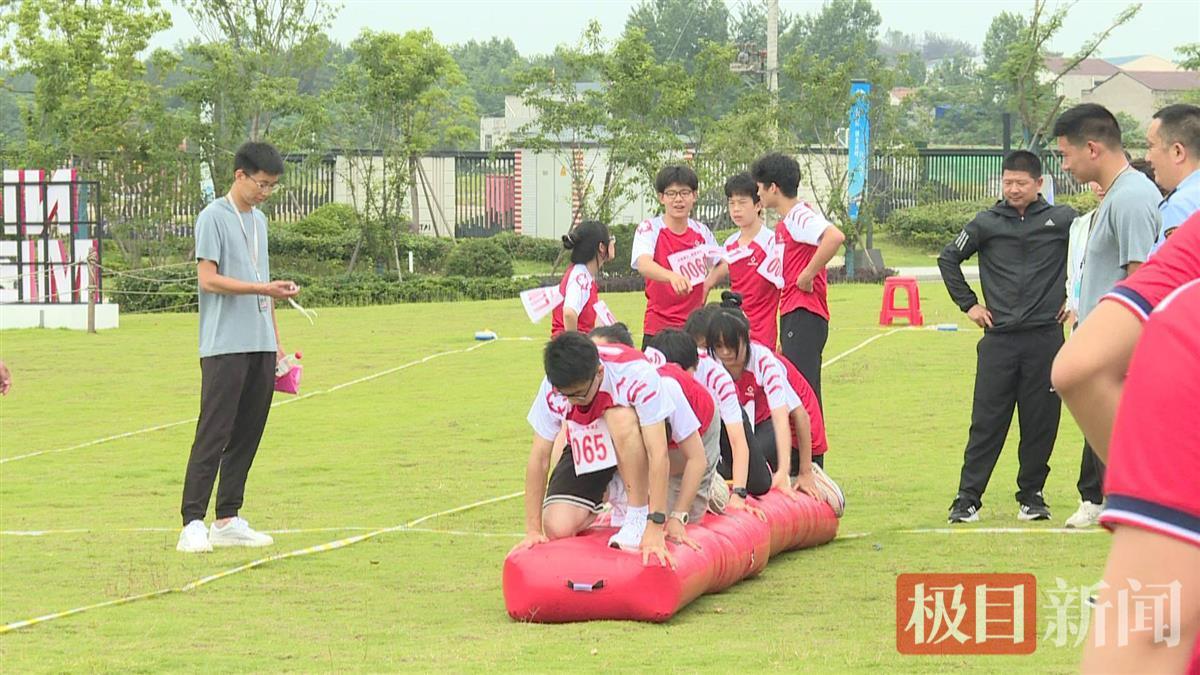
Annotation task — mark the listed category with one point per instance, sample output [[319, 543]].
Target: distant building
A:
[[1085, 75], [896, 95], [1144, 63], [1141, 93], [496, 132]]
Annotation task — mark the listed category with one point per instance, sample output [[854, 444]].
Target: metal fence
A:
[[48, 227], [484, 193]]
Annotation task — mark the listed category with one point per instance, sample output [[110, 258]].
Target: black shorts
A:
[[586, 491]]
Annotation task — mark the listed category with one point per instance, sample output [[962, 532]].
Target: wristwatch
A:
[[741, 492], [658, 517], [681, 516]]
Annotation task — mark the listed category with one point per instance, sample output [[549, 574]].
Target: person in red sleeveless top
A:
[[807, 242], [590, 246], [669, 251], [753, 268]]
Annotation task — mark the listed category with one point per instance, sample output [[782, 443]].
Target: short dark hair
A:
[[741, 185], [730, 327], [697, 322], [779, 169], [1146, 168], [1180, 123], [676, 174], [1023, 160], [1089, 122], [255, 156], [617, 332], [570, 359], [677, 346]]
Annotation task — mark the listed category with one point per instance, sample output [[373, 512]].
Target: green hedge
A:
[[931, 226], [1082, 202], [479, 258], [529, 248], [172, 289]]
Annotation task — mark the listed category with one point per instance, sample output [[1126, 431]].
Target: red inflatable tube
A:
[[582, 579]]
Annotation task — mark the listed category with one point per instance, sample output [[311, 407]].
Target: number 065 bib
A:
[[592, 448]]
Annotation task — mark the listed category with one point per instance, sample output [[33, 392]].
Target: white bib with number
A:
[[604, 317], [691, 264], [539, 302], [591, 446], [771, 269]]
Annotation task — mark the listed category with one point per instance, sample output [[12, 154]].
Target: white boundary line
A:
[[197, 583], [191, 420]]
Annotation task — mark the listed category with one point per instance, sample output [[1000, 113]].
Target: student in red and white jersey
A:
[[808, 243], [693, 431], [763, 390], [669, 251], [613, 404], [591, 246], [754, 270]]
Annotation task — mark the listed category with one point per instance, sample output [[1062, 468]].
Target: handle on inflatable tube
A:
[[585, 588]]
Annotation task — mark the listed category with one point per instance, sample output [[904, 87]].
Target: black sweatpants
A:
[[1091, 476], [1013, 369], [235, 397], [802, 337], [762, 456]]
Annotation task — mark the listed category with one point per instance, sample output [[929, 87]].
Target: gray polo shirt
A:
[[232, 324], [1126, 225]]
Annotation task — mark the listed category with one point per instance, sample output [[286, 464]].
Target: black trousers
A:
[[762, 456], [802, 338], [1013, 369], [1091, 476], [235, 397]]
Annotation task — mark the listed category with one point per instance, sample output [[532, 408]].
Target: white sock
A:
[[643, 510]]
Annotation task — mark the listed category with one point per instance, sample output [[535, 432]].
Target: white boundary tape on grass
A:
[[192, 420], [329, 546], [197, 583]]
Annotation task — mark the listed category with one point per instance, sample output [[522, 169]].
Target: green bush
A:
[[1082, 202], [171, 289], [373, 289], [931, 226], [520, 247], [624, 235], [429, 253], [479, 258], [329, 220]]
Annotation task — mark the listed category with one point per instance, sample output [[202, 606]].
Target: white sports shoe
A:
[[194, 538], [237, 532], [718, 495], [1086, 515], [618, 499], [629, 537], [830, 490]]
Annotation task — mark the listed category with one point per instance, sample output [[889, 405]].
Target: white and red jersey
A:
[[756, 272], [803, 391], [683, 421], [696, 397], [1172, 266], [629, 380], [798, 234], [714, 377], [763, 385], [578, 289], [664, 309]]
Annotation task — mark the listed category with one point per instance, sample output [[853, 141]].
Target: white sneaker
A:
[[830, 490], [1086, 515], [629, 537], [618, 499], [194, 538], [718, 495], [237, 532]]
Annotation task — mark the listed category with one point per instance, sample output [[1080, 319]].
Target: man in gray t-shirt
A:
[[1118, 241], [239, 351]]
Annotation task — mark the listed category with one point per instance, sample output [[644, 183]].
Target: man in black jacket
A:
[[1022, 247]]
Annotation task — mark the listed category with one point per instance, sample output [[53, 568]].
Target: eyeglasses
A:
[[587, 393], [672, 194], [263, 185]]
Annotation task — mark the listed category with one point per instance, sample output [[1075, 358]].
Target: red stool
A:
[[889, 310]]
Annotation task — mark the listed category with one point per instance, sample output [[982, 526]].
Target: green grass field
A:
[[445, 433]]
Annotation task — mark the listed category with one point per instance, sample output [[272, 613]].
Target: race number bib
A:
[[591, 446], [604, 317], [539, 302], [690, 264], [771, 269], [739, 253]]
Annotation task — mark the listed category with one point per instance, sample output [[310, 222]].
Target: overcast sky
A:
[[536, 26]]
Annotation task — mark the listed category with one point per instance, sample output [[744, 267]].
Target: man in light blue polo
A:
[[1174, 151], [239, 350]]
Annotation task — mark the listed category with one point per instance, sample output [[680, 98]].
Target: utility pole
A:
[[773, 46]]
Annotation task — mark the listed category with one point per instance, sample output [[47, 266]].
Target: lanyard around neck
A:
[[251, 247]]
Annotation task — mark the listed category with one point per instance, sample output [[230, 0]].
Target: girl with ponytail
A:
[[590, 246]]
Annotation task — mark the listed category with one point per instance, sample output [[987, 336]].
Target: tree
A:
[[1191, 56], [93, 106], [1003, 33], [406, 91], [843, 31], [489, 68], [936, 46], [817, 115], [626, 113], [677, 29], [1029, 95]]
